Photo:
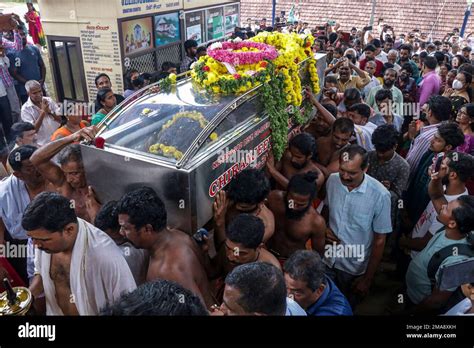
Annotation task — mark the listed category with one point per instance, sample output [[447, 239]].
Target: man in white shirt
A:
[[42, 112], [370, 67], [359, 114]]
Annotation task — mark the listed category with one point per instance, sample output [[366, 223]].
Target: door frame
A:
[[56, 70]]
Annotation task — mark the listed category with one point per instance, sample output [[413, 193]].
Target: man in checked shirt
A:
[[5, 77]]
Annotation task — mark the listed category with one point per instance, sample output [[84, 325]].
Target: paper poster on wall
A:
[[231, 18], [101, 54], [167, 29], [215, 23], [137, 35], [194, 26]]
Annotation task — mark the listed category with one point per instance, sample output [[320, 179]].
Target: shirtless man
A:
[[296, 221], [70, 178], [174, 255], [319, 127], [246, 193], [297, 159], [329, 147], [243, 244], [66, 243]]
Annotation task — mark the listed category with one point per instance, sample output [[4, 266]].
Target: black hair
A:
[[167, 65], [101, 94], [332, 37], [462, 164], [339, 50], [49, 211], [467, 67], [128, 79], [107, 217], [303, 184], [430, 62], [461, 59], [464, 214], [99, 76], [406, 47], [71, 153], [440, 106], [331, 108], [350, 151], [343, 125], [143, 206], [440, 57], [423, 56], [385, 137], [17, 129], [389, 40], [383, 94], [330, 79], [190, 44], [352, 94], [262, 288], [246, 229], [467, 75], [250, 186], [447, 65], [370, 48], [306, 266], [361, 108], [387, 66], [157, 298], [467, 49], [20, 154], [470, 112], [305, 144], [201, 49], [407, 67], [376, 43], [451, 134]]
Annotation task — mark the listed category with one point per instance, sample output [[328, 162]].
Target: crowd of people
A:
[[384, 171]]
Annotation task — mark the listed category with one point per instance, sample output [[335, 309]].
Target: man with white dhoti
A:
[[79, 267]]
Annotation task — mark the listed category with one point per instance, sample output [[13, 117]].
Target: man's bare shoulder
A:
[[317, 220], [268, 257]]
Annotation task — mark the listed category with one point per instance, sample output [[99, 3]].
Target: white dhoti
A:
[[98, 275]]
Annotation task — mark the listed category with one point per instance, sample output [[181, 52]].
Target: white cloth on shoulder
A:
[[98, 275]]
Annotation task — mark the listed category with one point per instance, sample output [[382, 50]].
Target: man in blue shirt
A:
[[309, 286], [26, 65], [359, 220]]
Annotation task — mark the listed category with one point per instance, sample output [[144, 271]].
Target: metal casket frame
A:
[[187, 186]]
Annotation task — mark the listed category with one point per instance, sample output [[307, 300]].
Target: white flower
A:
[[237, 40], [215, 46], [192, 66]]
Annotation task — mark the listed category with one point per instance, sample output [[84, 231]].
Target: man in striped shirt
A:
[[437, 109], [5, 78]]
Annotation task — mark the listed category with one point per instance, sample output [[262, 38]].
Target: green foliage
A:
[[274, 103]]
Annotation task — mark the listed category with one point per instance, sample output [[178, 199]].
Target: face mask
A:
[[457, 84]]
